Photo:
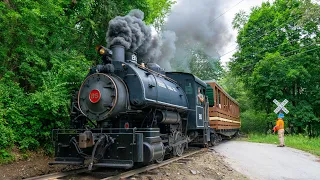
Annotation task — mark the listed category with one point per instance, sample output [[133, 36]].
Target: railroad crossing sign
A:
[[281, 106]]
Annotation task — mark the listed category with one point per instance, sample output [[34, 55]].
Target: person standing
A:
[[280, 128], [200, 96]]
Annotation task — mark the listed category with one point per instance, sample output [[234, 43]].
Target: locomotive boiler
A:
[[136, 114], [125, 85]]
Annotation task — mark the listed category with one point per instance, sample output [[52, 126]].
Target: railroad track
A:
[[58, 175], [61, 175], [152, 166]]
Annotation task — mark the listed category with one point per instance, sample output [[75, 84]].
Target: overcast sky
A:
[[245, 5], [232, 7]]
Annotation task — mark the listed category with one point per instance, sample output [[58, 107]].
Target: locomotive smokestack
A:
[[118, 53]]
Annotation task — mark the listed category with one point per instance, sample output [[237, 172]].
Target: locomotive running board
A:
[[65, 163], [114, 163], [68, 161]]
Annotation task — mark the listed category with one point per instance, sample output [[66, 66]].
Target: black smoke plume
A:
[[131, 32]]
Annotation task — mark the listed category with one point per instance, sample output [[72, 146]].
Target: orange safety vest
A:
[[280, 124]]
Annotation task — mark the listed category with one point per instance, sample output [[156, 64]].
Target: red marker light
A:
[[126, 125], [94, 96]]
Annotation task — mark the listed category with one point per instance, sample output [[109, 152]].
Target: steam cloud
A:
[[190, 26], [168, 49], [195, 25]]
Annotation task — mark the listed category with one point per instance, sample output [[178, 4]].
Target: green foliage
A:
[[240, 19], [27, 119], [254, 121], [311, 145], [6, 156], [159, 9], [46, 48], [10, 97], [279, 57], [204, 66], [237, 90]]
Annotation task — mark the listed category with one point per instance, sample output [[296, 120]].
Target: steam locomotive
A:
[[127, 113]]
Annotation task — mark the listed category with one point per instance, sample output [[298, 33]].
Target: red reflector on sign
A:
[[94, 96], [126, 125]]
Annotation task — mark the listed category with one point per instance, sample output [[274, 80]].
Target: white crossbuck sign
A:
[[281, 106]]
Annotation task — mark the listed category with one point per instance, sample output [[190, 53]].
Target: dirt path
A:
[[203, 166], [36, 164], [266, 161]]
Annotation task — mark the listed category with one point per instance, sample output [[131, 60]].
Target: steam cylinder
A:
[[168, 117]]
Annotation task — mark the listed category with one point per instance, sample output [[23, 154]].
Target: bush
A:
[[26, 120], [256, 121]]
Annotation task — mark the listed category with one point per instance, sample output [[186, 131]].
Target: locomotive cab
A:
[[198, 124]]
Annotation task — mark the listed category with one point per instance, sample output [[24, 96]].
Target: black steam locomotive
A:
[[127, 113]]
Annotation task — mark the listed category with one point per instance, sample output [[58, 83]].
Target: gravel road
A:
[[267, 161]]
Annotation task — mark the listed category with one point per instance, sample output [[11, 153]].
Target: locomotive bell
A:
[[102, 96]]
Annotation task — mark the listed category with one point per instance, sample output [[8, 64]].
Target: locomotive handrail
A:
[[159, 74]]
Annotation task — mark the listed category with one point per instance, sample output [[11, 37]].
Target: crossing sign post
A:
[[281, 107]]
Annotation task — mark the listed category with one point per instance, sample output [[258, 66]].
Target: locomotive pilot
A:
[[280, 128], [200, 97]]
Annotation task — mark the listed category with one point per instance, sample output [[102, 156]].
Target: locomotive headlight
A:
[[102, 51]]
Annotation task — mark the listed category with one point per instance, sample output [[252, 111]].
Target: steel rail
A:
[[152, 166], [59, 174]]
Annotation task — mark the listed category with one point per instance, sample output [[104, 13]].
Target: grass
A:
[[311, 145]]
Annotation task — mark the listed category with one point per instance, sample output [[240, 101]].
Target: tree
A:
[[204, 66], [278, 57], [46, 48], [237, 90]]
